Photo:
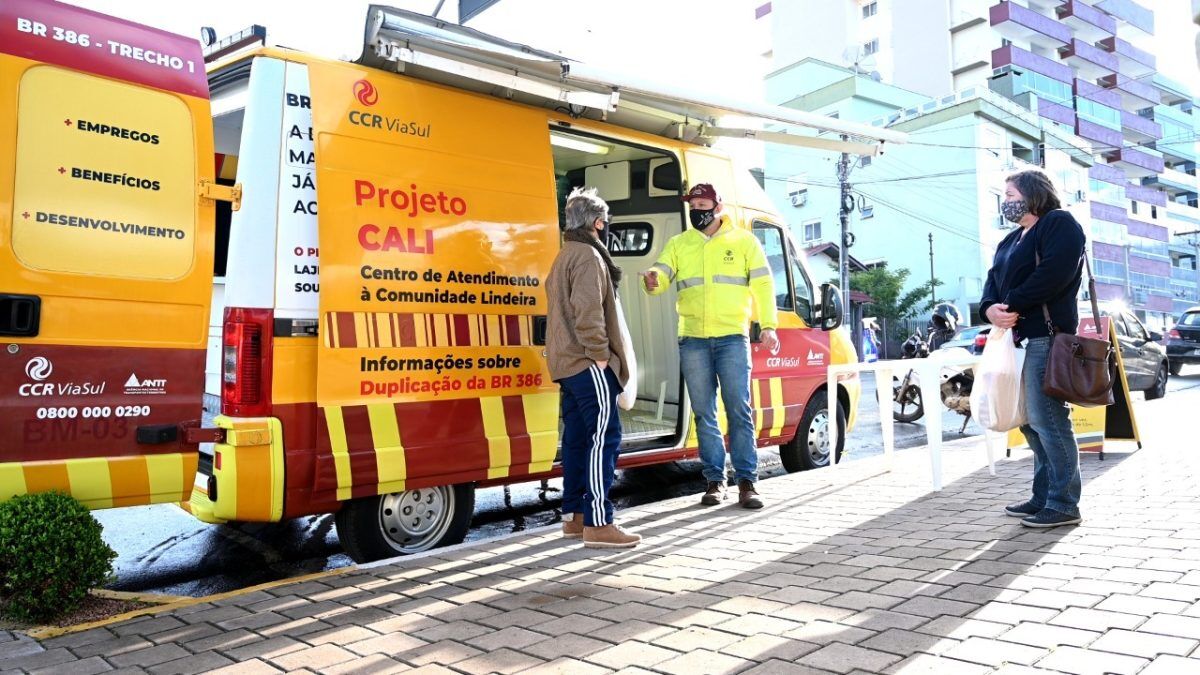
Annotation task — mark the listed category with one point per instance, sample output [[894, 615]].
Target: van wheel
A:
[[1176, 368], [809, 448], [400, 523]]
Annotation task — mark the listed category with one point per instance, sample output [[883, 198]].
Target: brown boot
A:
[[748, 496], [609, 536], [572, 526], [715, 494]]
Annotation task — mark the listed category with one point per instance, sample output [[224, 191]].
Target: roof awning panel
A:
[[434, 50]]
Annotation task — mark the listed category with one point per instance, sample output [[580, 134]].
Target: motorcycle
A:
[[956, 382]]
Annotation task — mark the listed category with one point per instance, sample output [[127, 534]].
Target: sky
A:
[[698, 43], [662, 39]]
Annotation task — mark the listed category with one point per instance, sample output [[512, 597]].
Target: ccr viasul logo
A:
[[366, 93], [39, 369]]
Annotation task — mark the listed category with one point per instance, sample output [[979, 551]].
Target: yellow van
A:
[[377, 303]]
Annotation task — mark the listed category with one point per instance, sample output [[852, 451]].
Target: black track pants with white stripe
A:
[[590, 444]]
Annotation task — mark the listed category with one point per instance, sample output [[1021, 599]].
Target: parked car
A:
[[970, 338], [1146, 365], [1183, 341]]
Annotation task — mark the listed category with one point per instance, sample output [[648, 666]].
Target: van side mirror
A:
[[831, 307]]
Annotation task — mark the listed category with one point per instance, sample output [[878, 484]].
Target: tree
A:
[[889, 300]]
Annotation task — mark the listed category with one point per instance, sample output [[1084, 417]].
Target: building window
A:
[[812, 230], [870, 9], [870, 48], [1153, 212], [1133, 207], [1004, 42], [865, 161]]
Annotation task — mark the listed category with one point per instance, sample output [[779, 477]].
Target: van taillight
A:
[[246, 362], [1174, 334]]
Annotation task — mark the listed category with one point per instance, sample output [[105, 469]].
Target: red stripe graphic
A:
[[346, 334], [512, 327], [462, 330], [362, 450], [442, 437], [331, 334], [522, 447], [408, 330]]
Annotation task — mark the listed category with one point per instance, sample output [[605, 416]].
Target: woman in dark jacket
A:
[[1040, 263]]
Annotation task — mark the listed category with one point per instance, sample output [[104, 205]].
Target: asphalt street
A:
[[163, 549]]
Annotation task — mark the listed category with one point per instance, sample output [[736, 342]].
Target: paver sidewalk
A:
[[863, 572]]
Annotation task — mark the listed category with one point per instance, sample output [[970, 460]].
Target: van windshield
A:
[[1190, 319]]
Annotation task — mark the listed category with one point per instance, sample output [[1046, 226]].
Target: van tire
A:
[[796, 454], [370, 528]]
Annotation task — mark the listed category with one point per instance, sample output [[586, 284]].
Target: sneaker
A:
[[1020, 509], [748, 496], [609, 536], [572, 526], [1050, 518], [715, 494]]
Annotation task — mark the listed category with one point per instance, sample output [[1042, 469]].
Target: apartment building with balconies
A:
[[1085, 68]]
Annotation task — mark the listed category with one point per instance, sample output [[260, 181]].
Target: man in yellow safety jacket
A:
[[718, 269]]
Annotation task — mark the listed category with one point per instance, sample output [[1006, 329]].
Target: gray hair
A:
[[584, 206]]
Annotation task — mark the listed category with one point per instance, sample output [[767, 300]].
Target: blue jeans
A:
[[725, 361], [1056, 481], [591, 441]]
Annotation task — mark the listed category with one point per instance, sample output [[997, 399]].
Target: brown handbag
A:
[[1080, 369]]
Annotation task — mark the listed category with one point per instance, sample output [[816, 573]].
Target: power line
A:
[[932, 223]]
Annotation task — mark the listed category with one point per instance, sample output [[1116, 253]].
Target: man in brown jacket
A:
[[586, 358]]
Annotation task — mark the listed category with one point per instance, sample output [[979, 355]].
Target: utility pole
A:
[[846, 206], [932, 279]]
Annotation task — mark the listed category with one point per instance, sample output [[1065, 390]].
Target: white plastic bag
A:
[[997, 400], [628, 397]]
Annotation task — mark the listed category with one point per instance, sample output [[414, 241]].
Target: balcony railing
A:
[[1175, 181], [1147, 195], [1053, 111], [1135, 95], [1094, 92], [1137, 162], [1101, 136], [1130, 12], [1092, 62], [1184, 274], [1088, 22], [1021, 23], [1140, 129], [1011, 55], [1107, 173], [1108, 212], [1138, 228], [1134, 62]]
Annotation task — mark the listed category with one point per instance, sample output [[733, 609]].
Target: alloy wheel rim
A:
[[415, 520]]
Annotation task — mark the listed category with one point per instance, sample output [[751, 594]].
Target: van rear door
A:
[[106, 248]]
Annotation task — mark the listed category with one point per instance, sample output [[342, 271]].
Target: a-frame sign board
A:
[[1093, 426]]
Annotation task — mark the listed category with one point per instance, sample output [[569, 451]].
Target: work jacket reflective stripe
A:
[[717, 278]]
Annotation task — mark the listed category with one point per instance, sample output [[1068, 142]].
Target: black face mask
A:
[[701, 219], [604, 234]]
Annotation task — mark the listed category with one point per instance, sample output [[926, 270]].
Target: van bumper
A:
[[244, 478]]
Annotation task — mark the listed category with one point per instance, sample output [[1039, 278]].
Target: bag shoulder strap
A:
[[1091, 292]]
